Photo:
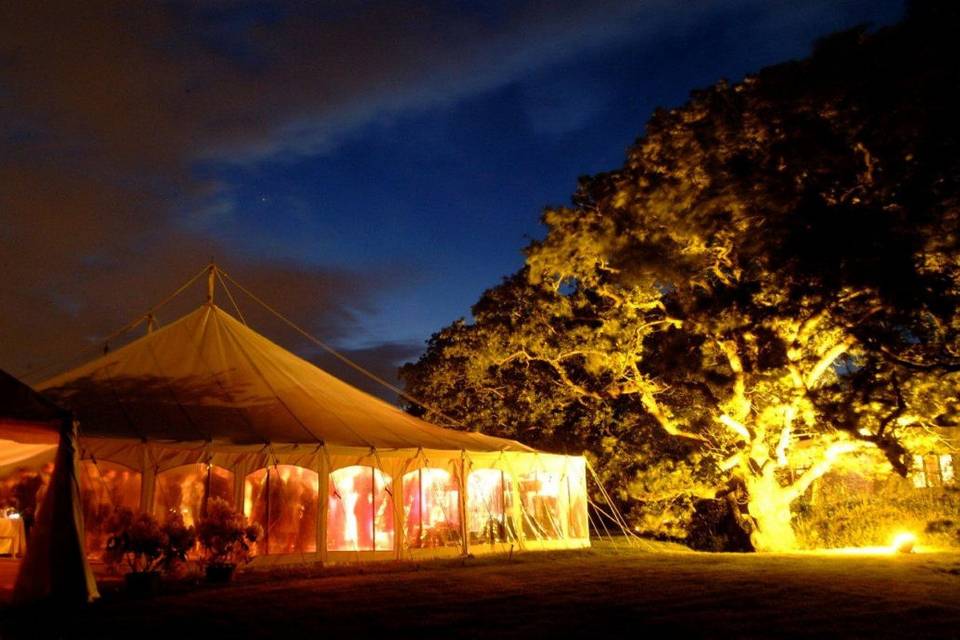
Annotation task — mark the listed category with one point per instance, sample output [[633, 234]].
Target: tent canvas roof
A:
[[27, 416], [30, 425], [209, 377]]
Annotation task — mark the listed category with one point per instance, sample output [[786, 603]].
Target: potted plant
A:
[[226, 540], [135, 541], [179, 541], [145, 547]]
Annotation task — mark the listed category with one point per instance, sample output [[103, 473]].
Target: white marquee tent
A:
[[205, 407]]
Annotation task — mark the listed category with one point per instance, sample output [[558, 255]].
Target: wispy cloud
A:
[[109, 111]]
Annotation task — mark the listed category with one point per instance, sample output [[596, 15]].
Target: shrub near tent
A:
[[145, 548], [226, 539]]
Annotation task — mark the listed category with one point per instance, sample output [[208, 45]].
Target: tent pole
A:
[[148, 479], [419, 542], [206, 491], [564, 501], [399, 522], [266, 529], [323, 507], [464, 528], [373, 519], [239, 484], [505, 535], [211, 275], [516, 507]]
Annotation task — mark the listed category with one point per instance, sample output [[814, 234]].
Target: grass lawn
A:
[[600, 592]]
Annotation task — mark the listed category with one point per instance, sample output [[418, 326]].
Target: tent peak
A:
[[211, 280]]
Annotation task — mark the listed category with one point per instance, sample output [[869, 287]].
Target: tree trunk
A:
[[768, 504]]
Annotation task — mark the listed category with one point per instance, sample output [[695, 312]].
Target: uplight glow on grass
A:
[[901, 542]]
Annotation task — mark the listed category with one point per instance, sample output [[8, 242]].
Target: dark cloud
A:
[[108, 108], [156, 85], [383, 360], [72, 314], [111, 111]]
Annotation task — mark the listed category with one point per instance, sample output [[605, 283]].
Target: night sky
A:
[[369, 168]]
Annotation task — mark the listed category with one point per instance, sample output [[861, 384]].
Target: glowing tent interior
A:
[[35, 433], [206, 407]]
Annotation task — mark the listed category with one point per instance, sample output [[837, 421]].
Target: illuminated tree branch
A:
[[826, 360], [830, 456]]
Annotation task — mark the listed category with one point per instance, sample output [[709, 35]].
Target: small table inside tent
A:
[[13, 540]]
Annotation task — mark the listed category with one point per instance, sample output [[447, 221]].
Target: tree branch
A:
[[834, 451], [896, 413], [739, 404], [827, 359], [666, 423], [946, 367], [785, 433], [736, 426], [556, 366]]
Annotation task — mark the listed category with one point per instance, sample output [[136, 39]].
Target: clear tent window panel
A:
[[220, 485], [184, 490], [104, 488], [540, 501], [180, 491], [360, 511], [431, 508], [489, 506], [22, 490], [283, 500]]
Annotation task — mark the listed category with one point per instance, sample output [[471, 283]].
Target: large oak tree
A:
[[768, 285]]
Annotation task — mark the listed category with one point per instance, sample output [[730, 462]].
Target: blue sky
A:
[[370, 169]]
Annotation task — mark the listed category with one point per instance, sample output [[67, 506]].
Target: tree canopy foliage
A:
[[768, 284]]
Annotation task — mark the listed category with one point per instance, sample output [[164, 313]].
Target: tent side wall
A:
[[371, 504], [55, 566], [32, 428]]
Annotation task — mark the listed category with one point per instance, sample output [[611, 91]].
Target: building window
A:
[[946, 469], [933, 470]]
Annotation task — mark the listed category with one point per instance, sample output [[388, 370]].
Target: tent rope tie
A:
[[233, 301], [599, 514], [623, 521], [610, 538]]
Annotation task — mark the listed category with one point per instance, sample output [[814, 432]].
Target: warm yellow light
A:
[[904, 542]]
